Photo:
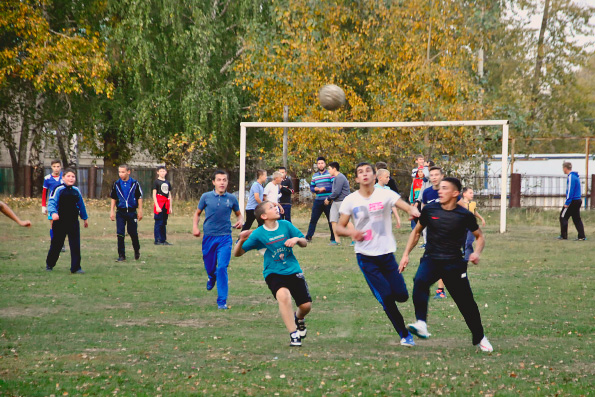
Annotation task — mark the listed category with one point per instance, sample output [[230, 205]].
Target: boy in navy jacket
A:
[[64, 207], [127, 196], [572, 205]]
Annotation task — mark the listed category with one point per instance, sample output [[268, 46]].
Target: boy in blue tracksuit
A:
[[216, 243], [64, 207], [572, 205], [127, 196]]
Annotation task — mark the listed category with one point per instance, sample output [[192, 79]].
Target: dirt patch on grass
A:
[[15, 312]]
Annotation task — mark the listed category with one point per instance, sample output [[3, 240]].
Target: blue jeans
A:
[[454, 274], [287, 212], [318, 208], [160, 230], [216, 254], [387, 284]]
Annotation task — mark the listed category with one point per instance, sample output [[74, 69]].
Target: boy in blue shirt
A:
[[50, 182], [275, 239], [128, 197], [64, 207], [216, 244], [256, 197]]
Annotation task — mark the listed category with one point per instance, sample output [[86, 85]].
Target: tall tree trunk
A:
[[111, 160], [539, 59]]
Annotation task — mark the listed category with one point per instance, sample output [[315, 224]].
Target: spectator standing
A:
[[286, 192], [321, 185]]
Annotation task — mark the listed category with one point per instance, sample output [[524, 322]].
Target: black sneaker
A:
[[121, 259], [580, 239], [301, 326], [80, 271], [166, 243], [158, 243], [63, 248], [49, 269], [294, 339], [561, 238], [137, 255], [309, 240]]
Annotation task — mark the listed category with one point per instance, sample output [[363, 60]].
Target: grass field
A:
[[150, 327]]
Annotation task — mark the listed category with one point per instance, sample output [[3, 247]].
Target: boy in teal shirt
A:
[[275, 239]]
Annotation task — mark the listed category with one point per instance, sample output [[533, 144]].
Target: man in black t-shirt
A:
[[162, 206], [286, 190], [447, 224]]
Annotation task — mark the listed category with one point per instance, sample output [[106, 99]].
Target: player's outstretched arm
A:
[[343, 230], [410, 209], [238, 250], [411, 243], [480, 243], [5, 209]]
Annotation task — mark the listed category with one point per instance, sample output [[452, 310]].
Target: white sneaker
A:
[[419, 329], [485, 345]]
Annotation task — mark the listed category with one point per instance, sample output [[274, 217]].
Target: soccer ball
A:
[[331, 97]]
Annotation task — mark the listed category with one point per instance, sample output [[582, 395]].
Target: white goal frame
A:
[[468, 123]]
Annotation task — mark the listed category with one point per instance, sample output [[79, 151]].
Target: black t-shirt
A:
[[163, 187], [447, 230], [286, 189]]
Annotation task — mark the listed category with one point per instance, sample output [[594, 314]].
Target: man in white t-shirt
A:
[[371, 211], [272, 190]]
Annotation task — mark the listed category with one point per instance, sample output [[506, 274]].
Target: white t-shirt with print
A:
[[373, 216], [272, 192]]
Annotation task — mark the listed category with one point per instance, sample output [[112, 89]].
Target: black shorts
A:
[[295, 283]]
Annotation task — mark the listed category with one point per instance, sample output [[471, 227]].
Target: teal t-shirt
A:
[[278, 258]]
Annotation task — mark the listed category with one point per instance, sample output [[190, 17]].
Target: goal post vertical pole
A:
[[504, 179], [242, 192]]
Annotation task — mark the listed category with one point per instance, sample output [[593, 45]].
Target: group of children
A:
[[364, 215]]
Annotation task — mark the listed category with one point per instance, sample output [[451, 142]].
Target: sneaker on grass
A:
[[419, 329], [294, 339], [440, 294], [301, 326], [485, 345], [211, 283], [407, 341]]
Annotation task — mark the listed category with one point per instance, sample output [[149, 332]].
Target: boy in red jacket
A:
[[162, 207]]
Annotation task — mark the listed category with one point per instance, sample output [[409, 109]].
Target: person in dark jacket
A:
[[64, 207], [572, 205], [127, 197], [286, 189]]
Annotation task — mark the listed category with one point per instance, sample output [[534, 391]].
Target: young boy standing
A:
[[127, 196], [65, 206], [383, 176], [447, 224], [162, 206], [50, 182], [271, 191], [256, 197], [471, 206], [375, 244], [216, 244], [282, 271]]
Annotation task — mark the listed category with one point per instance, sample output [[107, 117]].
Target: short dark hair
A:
[[320, 158], [56, 161], [282, 168], [454, 181], [219, 172], [465, 189], [124, 166], [161, 167], [437, 168], [431, 163], [334, 164], [381, 164], [363, 163], [260, 172], [67, 170], [259, 210]]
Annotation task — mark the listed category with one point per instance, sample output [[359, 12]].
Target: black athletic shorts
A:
[[295, 283]]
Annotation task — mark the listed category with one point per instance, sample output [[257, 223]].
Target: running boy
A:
[[216, 244], [375, 244], [468, 203], [50, 182], [65, 206], [447, 224], [282, 271], [256, 197], [162, 206], [383, 176], [127, 196]]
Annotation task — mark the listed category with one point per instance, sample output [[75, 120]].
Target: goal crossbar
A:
[[470, 123]]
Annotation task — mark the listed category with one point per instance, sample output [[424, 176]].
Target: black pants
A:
[[160, 230], [127, 220], [454, 274], [573, 210], [63, 228], [250, 220], [286, 212], [318, 208]]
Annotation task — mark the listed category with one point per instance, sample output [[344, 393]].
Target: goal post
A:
[[468, 123]]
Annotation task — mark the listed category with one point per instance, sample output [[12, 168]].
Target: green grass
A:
[[151, 328]]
